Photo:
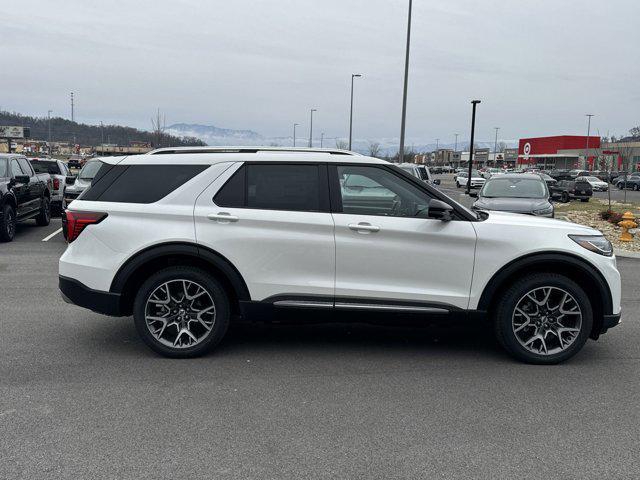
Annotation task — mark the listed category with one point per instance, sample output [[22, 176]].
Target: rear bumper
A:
[[77, 293]]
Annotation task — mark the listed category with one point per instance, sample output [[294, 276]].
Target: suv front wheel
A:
[[181, 312], [543, 318]]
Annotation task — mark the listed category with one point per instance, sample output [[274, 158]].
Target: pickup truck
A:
[[23, 195], [59, 172]]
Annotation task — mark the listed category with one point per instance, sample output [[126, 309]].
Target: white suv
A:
[[190, 240]]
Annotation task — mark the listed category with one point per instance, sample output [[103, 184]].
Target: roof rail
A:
[[190, 150]]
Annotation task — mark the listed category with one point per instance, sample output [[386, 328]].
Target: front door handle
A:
[[222, 217], [364, 227]]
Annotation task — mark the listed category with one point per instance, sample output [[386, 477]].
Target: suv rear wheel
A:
[[181, 312], [543, 318], [44, 217]]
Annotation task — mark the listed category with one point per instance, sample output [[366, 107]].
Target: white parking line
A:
[[49, 237]]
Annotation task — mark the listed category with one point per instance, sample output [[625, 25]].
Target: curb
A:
[[625, 254]]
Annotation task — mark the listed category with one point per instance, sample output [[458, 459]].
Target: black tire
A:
[[7, 223], [620, 186], [564, 198], [457, 185], [44, 217], [506, 305], [635, 187], [216, 292]]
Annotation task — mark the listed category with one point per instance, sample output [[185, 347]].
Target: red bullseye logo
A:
[[527, 148]]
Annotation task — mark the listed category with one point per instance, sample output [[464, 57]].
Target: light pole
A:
[[353, 75], [437, 148], [495, 147], [474, 104], [311, 128], [586, 156], [49, 128], [322, 139], [294, 133], [102, 132], [455, 148], [404, 92]]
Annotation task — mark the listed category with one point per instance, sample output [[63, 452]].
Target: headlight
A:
[[544, 211], [596, 243]]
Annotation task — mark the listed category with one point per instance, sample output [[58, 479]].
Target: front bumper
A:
[[77, 293]]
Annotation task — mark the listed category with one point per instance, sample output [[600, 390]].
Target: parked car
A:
[[518, 193], [550, 181], [419, 171], [208, 237], [566, 190], [597, 185], [490, 172], [632, 181], [58, 172], [76, 161], [75, 185], [24, 194], [462, 179], [614, 176]]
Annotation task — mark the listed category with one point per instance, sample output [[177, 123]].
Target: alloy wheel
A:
[[10, 223], [547, 320], [180, 313]]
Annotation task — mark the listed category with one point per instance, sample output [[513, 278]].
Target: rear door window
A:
[[290, 187]]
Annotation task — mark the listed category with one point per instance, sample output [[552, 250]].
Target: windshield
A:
[[45, 167], [89, 170], [591, 179], [514, 188], [475, 173]]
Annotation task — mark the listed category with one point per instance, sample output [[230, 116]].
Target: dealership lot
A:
[[82, 397]]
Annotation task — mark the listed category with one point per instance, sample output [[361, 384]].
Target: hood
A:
[[516, 205], [506, 218]]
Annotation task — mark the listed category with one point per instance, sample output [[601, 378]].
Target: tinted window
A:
[[46, 167], [138, 183], [273, 187], [233, 193], [377, 191]]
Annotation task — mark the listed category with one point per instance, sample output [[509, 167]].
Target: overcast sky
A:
[[537, 65]]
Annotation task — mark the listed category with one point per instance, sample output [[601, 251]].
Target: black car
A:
[[24, 194], [566, 190]]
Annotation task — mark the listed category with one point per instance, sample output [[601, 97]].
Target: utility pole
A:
[[353, 75], [72, 106], [49, 130], [311, 128], [455, 148], [495, 147], [586, 156], [322, 139], [294, 133], [404, 92], [474, 104], [102, 133]]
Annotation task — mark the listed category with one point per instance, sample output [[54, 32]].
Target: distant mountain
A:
[[212, 135], [216, 136]]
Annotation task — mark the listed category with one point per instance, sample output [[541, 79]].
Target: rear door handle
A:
[[364, 227], [222, 217]]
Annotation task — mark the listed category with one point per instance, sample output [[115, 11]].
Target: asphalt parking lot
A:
[[82, 397]]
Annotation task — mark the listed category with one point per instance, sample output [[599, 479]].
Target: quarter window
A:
[[378, 191]]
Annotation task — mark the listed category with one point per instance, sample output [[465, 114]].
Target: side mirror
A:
[[473, 194], [23, 179], [440, 210], [436, 181], [70, 179]]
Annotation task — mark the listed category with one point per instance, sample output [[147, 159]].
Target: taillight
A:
[[56, 183], [75, 222]]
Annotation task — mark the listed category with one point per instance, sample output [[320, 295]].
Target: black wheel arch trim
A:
[[520, 263], [181, 248]]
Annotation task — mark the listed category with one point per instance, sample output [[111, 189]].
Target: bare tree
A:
[[159, 125], [342, 144], [625, 149], [502, 146], [374, 149], [635, 132]]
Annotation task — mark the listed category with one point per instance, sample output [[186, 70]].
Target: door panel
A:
[[277, 252], [394, 252], [21, 191]]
